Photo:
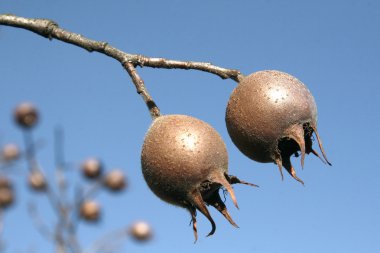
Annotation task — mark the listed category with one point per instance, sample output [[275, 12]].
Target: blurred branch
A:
[[57, 202], [49, 29], [41, 227], [60, 164], [1, 226], [108, 242]]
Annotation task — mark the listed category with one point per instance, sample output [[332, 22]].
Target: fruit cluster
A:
[[270, 116], [26, 116]]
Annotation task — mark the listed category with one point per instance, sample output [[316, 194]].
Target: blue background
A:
[[330, 45]]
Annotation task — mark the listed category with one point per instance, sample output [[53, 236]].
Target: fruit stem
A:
[[140, 88]]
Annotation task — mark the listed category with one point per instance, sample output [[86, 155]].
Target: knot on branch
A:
[[140, 60], [47, 27]]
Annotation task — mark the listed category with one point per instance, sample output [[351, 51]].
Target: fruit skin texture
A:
[[270, 116], [185, 162], [181, 144]]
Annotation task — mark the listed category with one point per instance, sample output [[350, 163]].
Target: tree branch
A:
[[140, 87], [50, 29]]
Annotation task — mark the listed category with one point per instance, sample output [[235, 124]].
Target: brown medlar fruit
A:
[[10, 152], [271, 116], [5, 183], [92, 168], [26, 115], [114, 180], [6, 193], [141, 231], [36, 181], [185, 163], [90, 210]]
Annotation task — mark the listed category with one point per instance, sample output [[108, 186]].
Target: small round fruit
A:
[[36, 181], [10, 152], [270, 116], [90, 210], [26, 115], [185, 163], [141, 231], [115, 180], [92, 168], [5, 183], [6, 197]]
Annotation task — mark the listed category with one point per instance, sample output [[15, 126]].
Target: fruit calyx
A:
[[297, 138]]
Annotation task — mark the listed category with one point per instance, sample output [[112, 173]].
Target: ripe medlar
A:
[[90, 211], [37, 182], [270, 116], [6, 193], [92, 168], [10, 152], [115, 180], [140, 231], [26, 115], [185, 163]]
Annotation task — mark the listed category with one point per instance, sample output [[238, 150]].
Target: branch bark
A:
[[50, 29]]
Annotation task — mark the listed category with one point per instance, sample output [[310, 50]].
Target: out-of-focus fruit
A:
[[36, 181], [115, 180], [26, 115], [10, 152], [141, 231], [90, 210], [92, 168]]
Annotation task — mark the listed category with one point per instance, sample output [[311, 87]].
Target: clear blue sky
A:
[[333, 46]]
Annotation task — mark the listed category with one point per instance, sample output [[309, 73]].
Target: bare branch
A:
[[59, 164], [50, 29], [108, 241], [57, 203], [140, 87], [40, 225]]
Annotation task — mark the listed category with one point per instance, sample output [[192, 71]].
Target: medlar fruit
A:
[[185, 163], [90, 211], [26, 115], [115, 180], [37, 181], [6, 193], [270, 116], [92, 168], [140, 231], [10, 152]]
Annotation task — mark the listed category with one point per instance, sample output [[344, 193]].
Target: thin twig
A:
[[33, 166], [41, 227], [107, 240], [140, 87], [80, 195], [1, 231], [60, 164], [50, 29], [59, 208]]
